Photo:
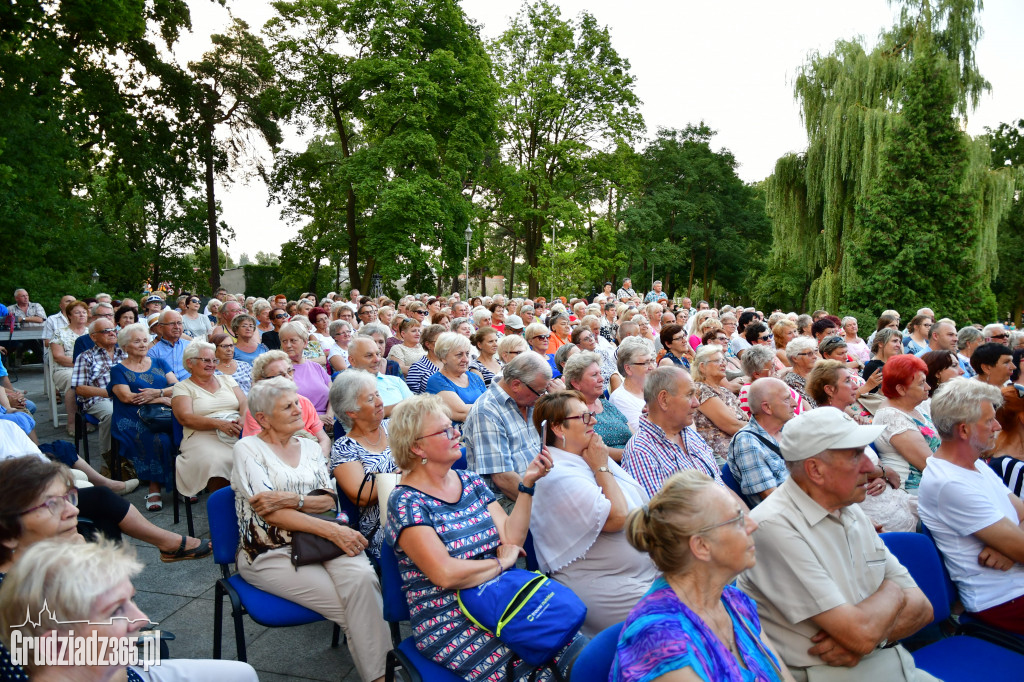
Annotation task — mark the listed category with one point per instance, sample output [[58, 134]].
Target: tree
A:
[[566, 96], [1007, 148], [235, 90]]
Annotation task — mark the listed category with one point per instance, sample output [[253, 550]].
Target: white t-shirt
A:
[[954, 503], [629, 405]]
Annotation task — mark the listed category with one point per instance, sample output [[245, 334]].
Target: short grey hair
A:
[[238, 319], [479, 315], [703, 357], [799, 345], [259, 305], [577, 365], [345, 390], [958, 401], [882, 337], [448, 342], [533, 329], [124, 336], [661, 379], [259, 365], [295, 327], [164, 314], [631, 348], [336, 326], [373, 328], [264, 394], [193, 349], [511, 342], [968, 335], [756, 358], [848, 319], [526, 368]]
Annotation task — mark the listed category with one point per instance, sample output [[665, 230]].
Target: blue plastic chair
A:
[[265, 608], [730, 481], [952, 658], [418, 668], [82, 418], [463, 462], [595, 661]]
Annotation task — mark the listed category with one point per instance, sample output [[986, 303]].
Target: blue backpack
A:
[[530, 613]]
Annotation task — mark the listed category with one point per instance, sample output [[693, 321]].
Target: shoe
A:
[[204, 549], [154, 502], [129, 486]]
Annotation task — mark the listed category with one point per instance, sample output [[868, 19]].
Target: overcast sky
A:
[[729, 63]]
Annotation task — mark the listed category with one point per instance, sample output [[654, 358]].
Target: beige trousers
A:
[[343, 590]]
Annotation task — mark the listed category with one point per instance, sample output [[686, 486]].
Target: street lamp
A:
[[552, 263], [468, 234], [95, 276]]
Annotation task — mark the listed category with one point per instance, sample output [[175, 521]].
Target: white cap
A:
[[824, 428]]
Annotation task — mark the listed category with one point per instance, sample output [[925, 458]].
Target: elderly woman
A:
[[408, 351], [341, 331], [312, 350], [124, 316], [909, 438], [487, 364], [562, 355], [558, 323], [719, 416], [464, 326], [449, 533], [854, 343], [282, 485], [698, 319], [247, 342], [421, 370], [481, 317], [802, 353], [783, 332], [261, 308], [527, 312], [888, 343], [273, 364], [583, 374], [634, 361], [677, 347], [228, 365], [312, 380], [442, 319], [694, 624], [136, 381], [579, 513], [511, 347], [62, 353], [759, 362], [196, 325], [209, 409], [455, 384], [364, 450]]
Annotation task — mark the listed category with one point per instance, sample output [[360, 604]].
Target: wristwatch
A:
[[604, 469], [302, 501], [524, 489]]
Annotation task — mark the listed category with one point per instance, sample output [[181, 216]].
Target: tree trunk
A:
[[211, 212], [693, 265], [367, 279], [512, 269]]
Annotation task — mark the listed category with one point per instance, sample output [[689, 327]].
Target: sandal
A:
[[154, 502], [204, 549]]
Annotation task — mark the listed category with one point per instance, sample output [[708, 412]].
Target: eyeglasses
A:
[[807, 354], [110, 316], [56, 503], [649, 363], [209, 361], [287, 373], [171, 324], [226, 345], [587, 417], [105, 332], [450, 433], [281, 317], [740, 521], [681, 337], [541, 336], [535, 392]]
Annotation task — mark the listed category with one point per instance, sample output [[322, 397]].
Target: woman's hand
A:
[[538, 468], [893, 478], [230, 428], [873, 381], [596, 453], [146, 395], [270, 501], [508, 555], [348, 540]]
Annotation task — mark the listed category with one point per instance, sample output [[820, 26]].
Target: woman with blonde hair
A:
[[783, 332], [455, 384], [510, 347], [693, 623]]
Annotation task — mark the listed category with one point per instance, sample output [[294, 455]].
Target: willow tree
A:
[[852, 100]]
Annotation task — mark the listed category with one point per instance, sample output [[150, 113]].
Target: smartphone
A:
[[544, 433]]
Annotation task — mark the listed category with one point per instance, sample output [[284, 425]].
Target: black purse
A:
[[156, 417], [310, 548]]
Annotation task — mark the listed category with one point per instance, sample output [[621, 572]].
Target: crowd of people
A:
[[715, 479]]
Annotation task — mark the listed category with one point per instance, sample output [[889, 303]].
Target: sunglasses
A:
[[541, 336]]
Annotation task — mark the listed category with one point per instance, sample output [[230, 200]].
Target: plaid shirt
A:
[[497, 437], [650, 457], [92, 368], [753, 464]]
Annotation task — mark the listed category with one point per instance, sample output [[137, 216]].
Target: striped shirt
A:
[[651, 457], [419, 372]]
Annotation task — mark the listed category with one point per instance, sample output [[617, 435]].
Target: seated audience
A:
[[248, 346], [421, 370], [583, 374], [909, 437], [272, 339], [455, 384], [170, 346], [1007, 456], [282, 485], [803, 354], [753, 456], [992, 364], [195, 325], [694, 624], [408, 349], [635, 360], [718, 416], [277, 364], [511, 347], [916, 338], [228, 364], [364, 354], [91, 376], [62, 348], [310, 377], [487, 364], [341, 332]]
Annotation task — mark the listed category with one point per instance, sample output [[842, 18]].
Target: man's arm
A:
[[859, 628], [508, 483], [1005, 537]]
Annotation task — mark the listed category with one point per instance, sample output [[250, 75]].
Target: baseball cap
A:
[[824, 428], [514, 322]]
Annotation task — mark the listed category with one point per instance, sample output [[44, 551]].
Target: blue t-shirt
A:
[[439, 382]]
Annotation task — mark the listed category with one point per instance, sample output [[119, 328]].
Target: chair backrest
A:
[[595, 661], [920, 556], [395, 607], [220, 508], [463, 462], [177, 432], [346, 505], [531, 554], [730, 481]]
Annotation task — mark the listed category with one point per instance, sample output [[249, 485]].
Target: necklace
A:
[[365, 436]]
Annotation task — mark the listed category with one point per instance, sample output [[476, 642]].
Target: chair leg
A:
[[174, 496], [188, 517], [115, 460], [218, 619], [335, 636], [240, 636]]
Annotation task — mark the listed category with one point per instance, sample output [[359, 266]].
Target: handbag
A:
[[530, 613], [310, 548], [156, 417]]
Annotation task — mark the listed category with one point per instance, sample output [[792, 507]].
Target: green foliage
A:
[[1006, 144], [262, 280]]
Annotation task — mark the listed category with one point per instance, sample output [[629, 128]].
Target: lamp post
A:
[[468, 234], [552, 264], [95, 276]]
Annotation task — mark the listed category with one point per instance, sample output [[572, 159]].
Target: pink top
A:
[[314, 383], [310, 419]]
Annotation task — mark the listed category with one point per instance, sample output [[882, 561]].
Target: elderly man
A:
[[974, 518], [228, 312], [169, 346], [91, 374], [830, 595], [754, 457], [460, 309], [666, 441], [102, 311], [996, 333], [500, 436], [364, 354], [942, 337], [626, 290], [656, 294], [56, 322], [29, 314]]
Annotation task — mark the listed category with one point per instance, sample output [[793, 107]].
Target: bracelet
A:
[[501, 569]]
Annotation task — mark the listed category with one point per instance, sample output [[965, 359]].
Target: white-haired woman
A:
[[341, 331], [275, 363], [802, 353], [449, 533], [510, 347], [583, 374], [719, 416], [312, 350], [209, 408], [261, 311], [282, 485], [455, 384], [364, 450], [312, 380], [635, 360]]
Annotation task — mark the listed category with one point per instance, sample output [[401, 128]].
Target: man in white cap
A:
[[830, 595]]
